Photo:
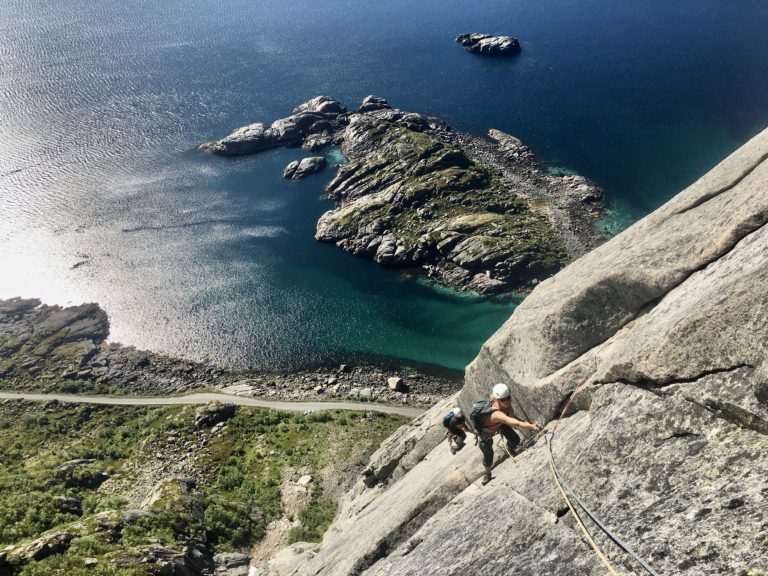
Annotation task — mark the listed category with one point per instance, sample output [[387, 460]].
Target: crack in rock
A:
[[715, 193], [656, 385]]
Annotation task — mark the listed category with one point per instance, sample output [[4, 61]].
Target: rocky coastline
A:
[[48, 348], [478, 214]]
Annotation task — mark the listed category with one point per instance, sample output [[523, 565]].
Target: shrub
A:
[[229, 526], [315, 519]]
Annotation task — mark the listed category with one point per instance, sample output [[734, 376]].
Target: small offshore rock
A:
[[372, 103], [311, 117], [299, 169], [489, 45]]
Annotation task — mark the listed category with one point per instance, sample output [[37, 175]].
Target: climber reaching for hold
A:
[[494, 416]]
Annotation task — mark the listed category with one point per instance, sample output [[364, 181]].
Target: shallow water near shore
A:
[[104, 198]]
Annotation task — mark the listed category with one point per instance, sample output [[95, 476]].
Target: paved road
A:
[[210, 397]]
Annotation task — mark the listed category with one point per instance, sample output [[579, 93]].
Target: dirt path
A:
[[204, 398]]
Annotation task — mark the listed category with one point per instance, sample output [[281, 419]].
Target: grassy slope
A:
[[239, 471]]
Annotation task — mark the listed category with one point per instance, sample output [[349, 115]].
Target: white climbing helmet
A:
[[500, 391], [457, 412]]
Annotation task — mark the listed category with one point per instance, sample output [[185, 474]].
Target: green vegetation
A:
[[315, 519], [75, 469]]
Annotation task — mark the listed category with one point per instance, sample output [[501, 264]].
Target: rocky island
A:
[[489, 45], [477, 214]]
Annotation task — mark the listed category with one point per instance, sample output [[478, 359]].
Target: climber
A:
[[457, 429], [493, 416]]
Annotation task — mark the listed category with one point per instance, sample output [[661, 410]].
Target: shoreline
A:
[[53, 349]]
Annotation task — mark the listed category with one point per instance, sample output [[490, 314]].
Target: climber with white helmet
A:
[[457, 429], [494, 416]]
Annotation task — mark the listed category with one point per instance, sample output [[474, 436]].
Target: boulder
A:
[[314, 142], [396, 384], [48, 545], [299, 169], [70, 505], [489, 45], [231, 564], [372, 103], [213, 413]]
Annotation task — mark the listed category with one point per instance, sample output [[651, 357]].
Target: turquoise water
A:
[[104, 198]]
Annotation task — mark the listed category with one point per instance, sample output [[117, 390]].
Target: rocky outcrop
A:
[[476, 214], [298, 169], [372, 103], [659, 338], [489, 45], [314, 116]]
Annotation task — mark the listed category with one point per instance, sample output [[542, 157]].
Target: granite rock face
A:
[[489, 45], [476, 214], [659, 336]]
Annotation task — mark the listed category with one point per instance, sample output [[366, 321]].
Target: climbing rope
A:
[[561, 482], [592, 543], [563, 486], [575, 514]]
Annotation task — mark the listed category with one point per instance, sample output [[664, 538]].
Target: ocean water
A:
[[104, 198]]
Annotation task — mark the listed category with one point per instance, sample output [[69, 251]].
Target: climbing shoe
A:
[[487, 478]]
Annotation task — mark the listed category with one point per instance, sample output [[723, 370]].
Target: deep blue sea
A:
[[104, 198]]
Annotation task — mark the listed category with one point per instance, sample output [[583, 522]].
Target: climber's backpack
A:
[[447, 419], [480, 411]]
